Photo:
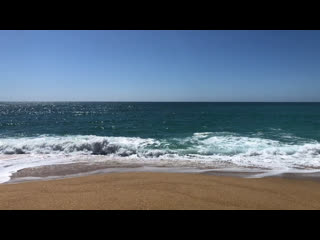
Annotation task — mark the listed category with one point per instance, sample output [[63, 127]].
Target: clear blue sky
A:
[[159, 65]]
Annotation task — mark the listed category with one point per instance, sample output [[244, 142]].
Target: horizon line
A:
[[67, 101]]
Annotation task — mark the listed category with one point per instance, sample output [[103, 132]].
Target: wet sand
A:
[[59, 171], [161, 191]]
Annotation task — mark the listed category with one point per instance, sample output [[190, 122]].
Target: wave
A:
[[202, 144], [206, 145], [203, 150], [73, 144]]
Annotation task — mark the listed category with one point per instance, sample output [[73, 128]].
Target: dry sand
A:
[[161, 191]]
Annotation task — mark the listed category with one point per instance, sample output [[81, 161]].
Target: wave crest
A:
[[72, 144], [200, 147]]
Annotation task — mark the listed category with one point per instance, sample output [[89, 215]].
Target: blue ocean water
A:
[[160, 120], [243, 135]]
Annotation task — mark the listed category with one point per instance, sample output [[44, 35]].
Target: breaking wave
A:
[[207, 148], [73, 144]]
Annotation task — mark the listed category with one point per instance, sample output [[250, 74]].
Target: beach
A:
[[153, 191]]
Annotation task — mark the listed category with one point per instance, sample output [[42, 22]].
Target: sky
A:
[[160, 65]]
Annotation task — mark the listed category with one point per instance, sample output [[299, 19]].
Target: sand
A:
[[161, 191]]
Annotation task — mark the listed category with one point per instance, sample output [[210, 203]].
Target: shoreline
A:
[[72, 170], [151, 190]]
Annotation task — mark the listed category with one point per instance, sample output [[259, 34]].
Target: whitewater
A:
[[203, 150]]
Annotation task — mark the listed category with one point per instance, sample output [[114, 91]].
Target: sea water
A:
[[278, 137]]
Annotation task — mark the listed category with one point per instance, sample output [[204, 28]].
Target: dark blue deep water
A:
[[160, 120]]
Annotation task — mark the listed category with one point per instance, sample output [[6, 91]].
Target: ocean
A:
[[270, 137]]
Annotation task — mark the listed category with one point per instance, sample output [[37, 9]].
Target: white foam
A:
[[71, 144], [201, 150], [17, 162]]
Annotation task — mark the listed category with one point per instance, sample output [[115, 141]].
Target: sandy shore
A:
[[161, 191]]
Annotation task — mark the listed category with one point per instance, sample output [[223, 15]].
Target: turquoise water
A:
[[260, 135]]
